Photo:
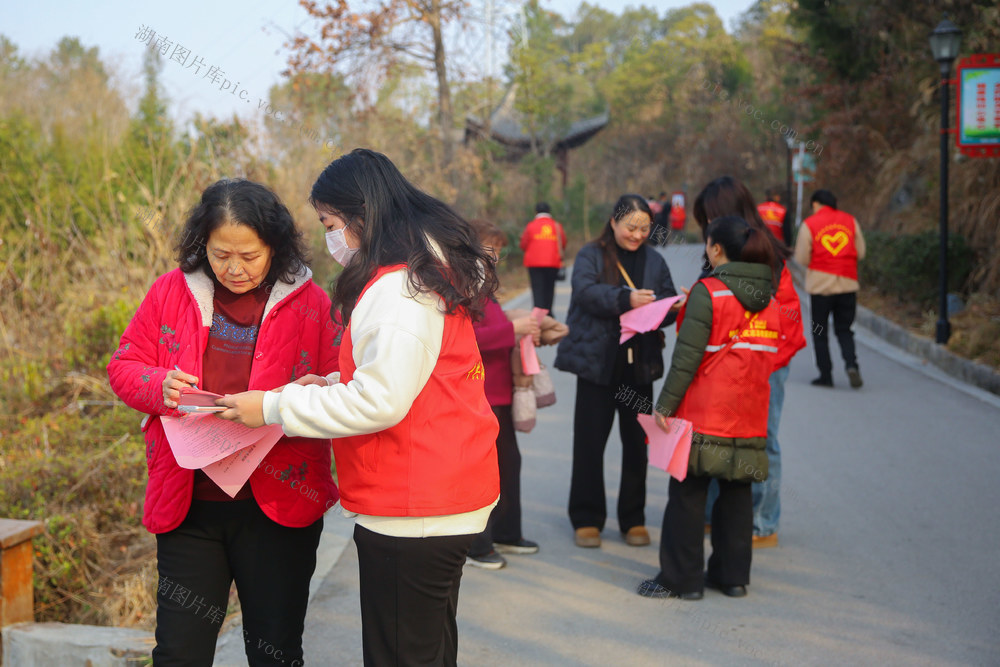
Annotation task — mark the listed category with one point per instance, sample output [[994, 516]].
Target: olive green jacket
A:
[[737, 459]]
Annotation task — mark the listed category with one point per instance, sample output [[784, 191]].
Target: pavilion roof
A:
[[507, 127]]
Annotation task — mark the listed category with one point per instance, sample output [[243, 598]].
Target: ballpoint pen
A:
[[192, 384]]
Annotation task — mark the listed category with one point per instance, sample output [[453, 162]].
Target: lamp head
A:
[[945, 41]]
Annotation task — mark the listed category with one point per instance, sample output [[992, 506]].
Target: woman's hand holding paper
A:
[[661, 421], [528, 326], [246, 408], [680, 303]]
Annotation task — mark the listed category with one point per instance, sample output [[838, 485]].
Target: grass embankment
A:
[[899, 279], [975, 330]]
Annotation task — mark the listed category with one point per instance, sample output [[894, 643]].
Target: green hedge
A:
[[907, 265]]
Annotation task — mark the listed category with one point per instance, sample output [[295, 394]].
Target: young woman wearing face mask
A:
[[413, 432]]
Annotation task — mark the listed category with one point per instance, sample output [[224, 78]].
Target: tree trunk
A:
[[444, 92]]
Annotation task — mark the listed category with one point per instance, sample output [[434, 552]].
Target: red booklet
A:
[[196, 400]]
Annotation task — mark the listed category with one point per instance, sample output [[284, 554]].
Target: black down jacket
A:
[[594, 308]]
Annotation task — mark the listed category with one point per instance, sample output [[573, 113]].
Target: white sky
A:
[[244, 39]]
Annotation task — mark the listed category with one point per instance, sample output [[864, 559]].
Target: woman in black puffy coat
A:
[[611, 275]]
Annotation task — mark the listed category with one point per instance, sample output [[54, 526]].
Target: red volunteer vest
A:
[[790, 312], [729, 394], [677, 217], [773, 213], [791, 339], [833, 249], [441, 458], [541, 242]]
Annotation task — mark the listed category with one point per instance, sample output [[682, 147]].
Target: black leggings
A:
[[217, 543]]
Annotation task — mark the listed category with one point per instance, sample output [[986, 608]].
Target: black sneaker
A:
[[522, 547], [490, 561], [650, 588], [738, 591], [855, 376], [822, 382]]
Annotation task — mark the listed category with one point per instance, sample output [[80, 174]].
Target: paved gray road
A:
[[889, 547]]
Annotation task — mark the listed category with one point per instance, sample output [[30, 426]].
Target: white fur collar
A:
[[203, 289]]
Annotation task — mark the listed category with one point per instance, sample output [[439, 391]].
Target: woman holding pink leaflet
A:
[[233, 316], [617, 272]]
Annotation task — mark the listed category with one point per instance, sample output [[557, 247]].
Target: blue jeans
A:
[[766, 501]]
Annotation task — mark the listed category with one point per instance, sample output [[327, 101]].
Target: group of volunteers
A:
[[402, 382], [738, 328]]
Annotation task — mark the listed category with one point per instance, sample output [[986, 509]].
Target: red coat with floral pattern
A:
[[293, 484]]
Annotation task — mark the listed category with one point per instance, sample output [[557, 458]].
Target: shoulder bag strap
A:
[[625, 275]]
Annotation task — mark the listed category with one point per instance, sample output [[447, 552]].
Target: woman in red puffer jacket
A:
[[241, 312]]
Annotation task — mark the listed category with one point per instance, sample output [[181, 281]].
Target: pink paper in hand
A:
[[232, 472], [198, 440], [645, 318], [668, 451], [529, 358], [197, 398]]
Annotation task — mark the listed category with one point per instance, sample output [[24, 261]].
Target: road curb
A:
[[970, 372]]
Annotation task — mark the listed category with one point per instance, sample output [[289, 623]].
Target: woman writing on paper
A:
[[718, 381], [611, 275], [414, 436], [240, 312]]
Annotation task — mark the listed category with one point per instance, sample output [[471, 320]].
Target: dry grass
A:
[[975, 330]]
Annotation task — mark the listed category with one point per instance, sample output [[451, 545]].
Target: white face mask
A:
[[336, 243]]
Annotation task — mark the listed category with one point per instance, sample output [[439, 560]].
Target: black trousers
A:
[[505, 520], [217, 543], [543, 285], [843, 307], [682, 544], [593, 417], [409, 597]]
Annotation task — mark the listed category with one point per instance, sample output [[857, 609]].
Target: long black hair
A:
[[397, 223], [625, 205], [243, 202], [741, 241], [727, 196]]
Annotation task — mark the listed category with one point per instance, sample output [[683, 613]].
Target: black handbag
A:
[[648, 366]]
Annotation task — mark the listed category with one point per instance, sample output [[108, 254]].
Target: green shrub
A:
[[907, 265], [92, 340]]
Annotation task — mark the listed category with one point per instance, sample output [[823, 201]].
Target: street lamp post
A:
[[944, 45], [789, 144]]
